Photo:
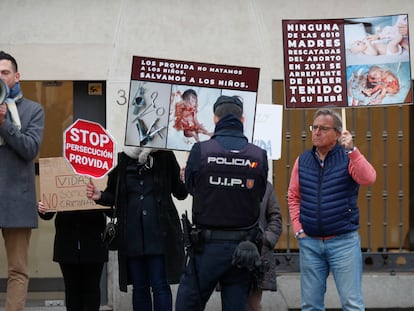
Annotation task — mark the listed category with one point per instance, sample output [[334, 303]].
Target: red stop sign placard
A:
[[89, 148]]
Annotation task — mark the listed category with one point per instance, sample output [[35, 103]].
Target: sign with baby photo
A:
[[347, 62], [171, 102]]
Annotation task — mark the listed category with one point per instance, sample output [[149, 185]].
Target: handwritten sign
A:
[[62, 190]]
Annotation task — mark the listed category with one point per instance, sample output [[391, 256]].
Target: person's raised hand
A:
[[92, 192], [3, 112], [346, 140], [41, 207]]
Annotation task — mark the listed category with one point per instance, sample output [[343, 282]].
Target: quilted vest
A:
[[328, 194]]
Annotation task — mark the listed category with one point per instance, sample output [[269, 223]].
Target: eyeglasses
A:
[[322, 128]]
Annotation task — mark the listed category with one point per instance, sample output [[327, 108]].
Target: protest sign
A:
[[347, 62], [171, 102], [268, 129], [61, 189], [89, 148]]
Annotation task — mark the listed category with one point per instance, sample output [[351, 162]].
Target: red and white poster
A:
[[89, 148], [347, 62], [171, 102]]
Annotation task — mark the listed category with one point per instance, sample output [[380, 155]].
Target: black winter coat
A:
[[78, 237], [166, 182]]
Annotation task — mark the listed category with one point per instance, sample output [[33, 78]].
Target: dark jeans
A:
[[212, 266], [146, 273], [82, 286]]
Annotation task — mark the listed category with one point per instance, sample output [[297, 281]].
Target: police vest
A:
[[228, 187]]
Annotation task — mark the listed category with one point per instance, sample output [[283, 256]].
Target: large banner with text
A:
[[171, 102], [347, 62]]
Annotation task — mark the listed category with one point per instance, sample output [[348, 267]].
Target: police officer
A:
[[226, 175]]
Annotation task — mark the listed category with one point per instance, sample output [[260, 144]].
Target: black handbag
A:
[[111, 235]]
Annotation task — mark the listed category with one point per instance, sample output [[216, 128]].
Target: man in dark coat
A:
[[21, 132]]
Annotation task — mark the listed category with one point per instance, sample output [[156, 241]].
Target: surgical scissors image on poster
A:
[[141, 109]]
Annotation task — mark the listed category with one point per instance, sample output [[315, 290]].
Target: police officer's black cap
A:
[[228, 100]]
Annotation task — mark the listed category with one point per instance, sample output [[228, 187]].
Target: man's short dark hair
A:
[[4, 55], [228, 105]]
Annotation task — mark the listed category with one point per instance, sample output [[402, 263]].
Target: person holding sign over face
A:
[[151, 250], [21, 132], [322, 199]]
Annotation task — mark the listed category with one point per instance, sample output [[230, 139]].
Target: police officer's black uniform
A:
[[227, 177]]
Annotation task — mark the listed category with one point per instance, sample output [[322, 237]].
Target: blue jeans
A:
[[342, 256], [146, 273], [213, 266]]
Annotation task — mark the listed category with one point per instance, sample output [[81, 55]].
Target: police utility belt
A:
[[224, 235], [198, 237], [203, 235]]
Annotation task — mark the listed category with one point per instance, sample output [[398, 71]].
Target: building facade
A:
[[63, 48]]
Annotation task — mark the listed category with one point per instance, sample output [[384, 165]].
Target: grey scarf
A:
[[14, 114]]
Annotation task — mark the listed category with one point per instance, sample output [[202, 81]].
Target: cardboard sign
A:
[[62, 190]]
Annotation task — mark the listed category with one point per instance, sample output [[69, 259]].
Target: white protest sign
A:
[[268, 129]]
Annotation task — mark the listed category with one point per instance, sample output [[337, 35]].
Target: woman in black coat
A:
[[81, 254], [151, 252]]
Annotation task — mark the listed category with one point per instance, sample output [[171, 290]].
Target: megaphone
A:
[[4, 91]]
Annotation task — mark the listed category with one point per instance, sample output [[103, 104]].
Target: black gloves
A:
[[246, 256]]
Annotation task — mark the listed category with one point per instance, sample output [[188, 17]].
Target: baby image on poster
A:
[[378, 60], [378, 84], [191, 115], [377, 40], [186, 110]]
